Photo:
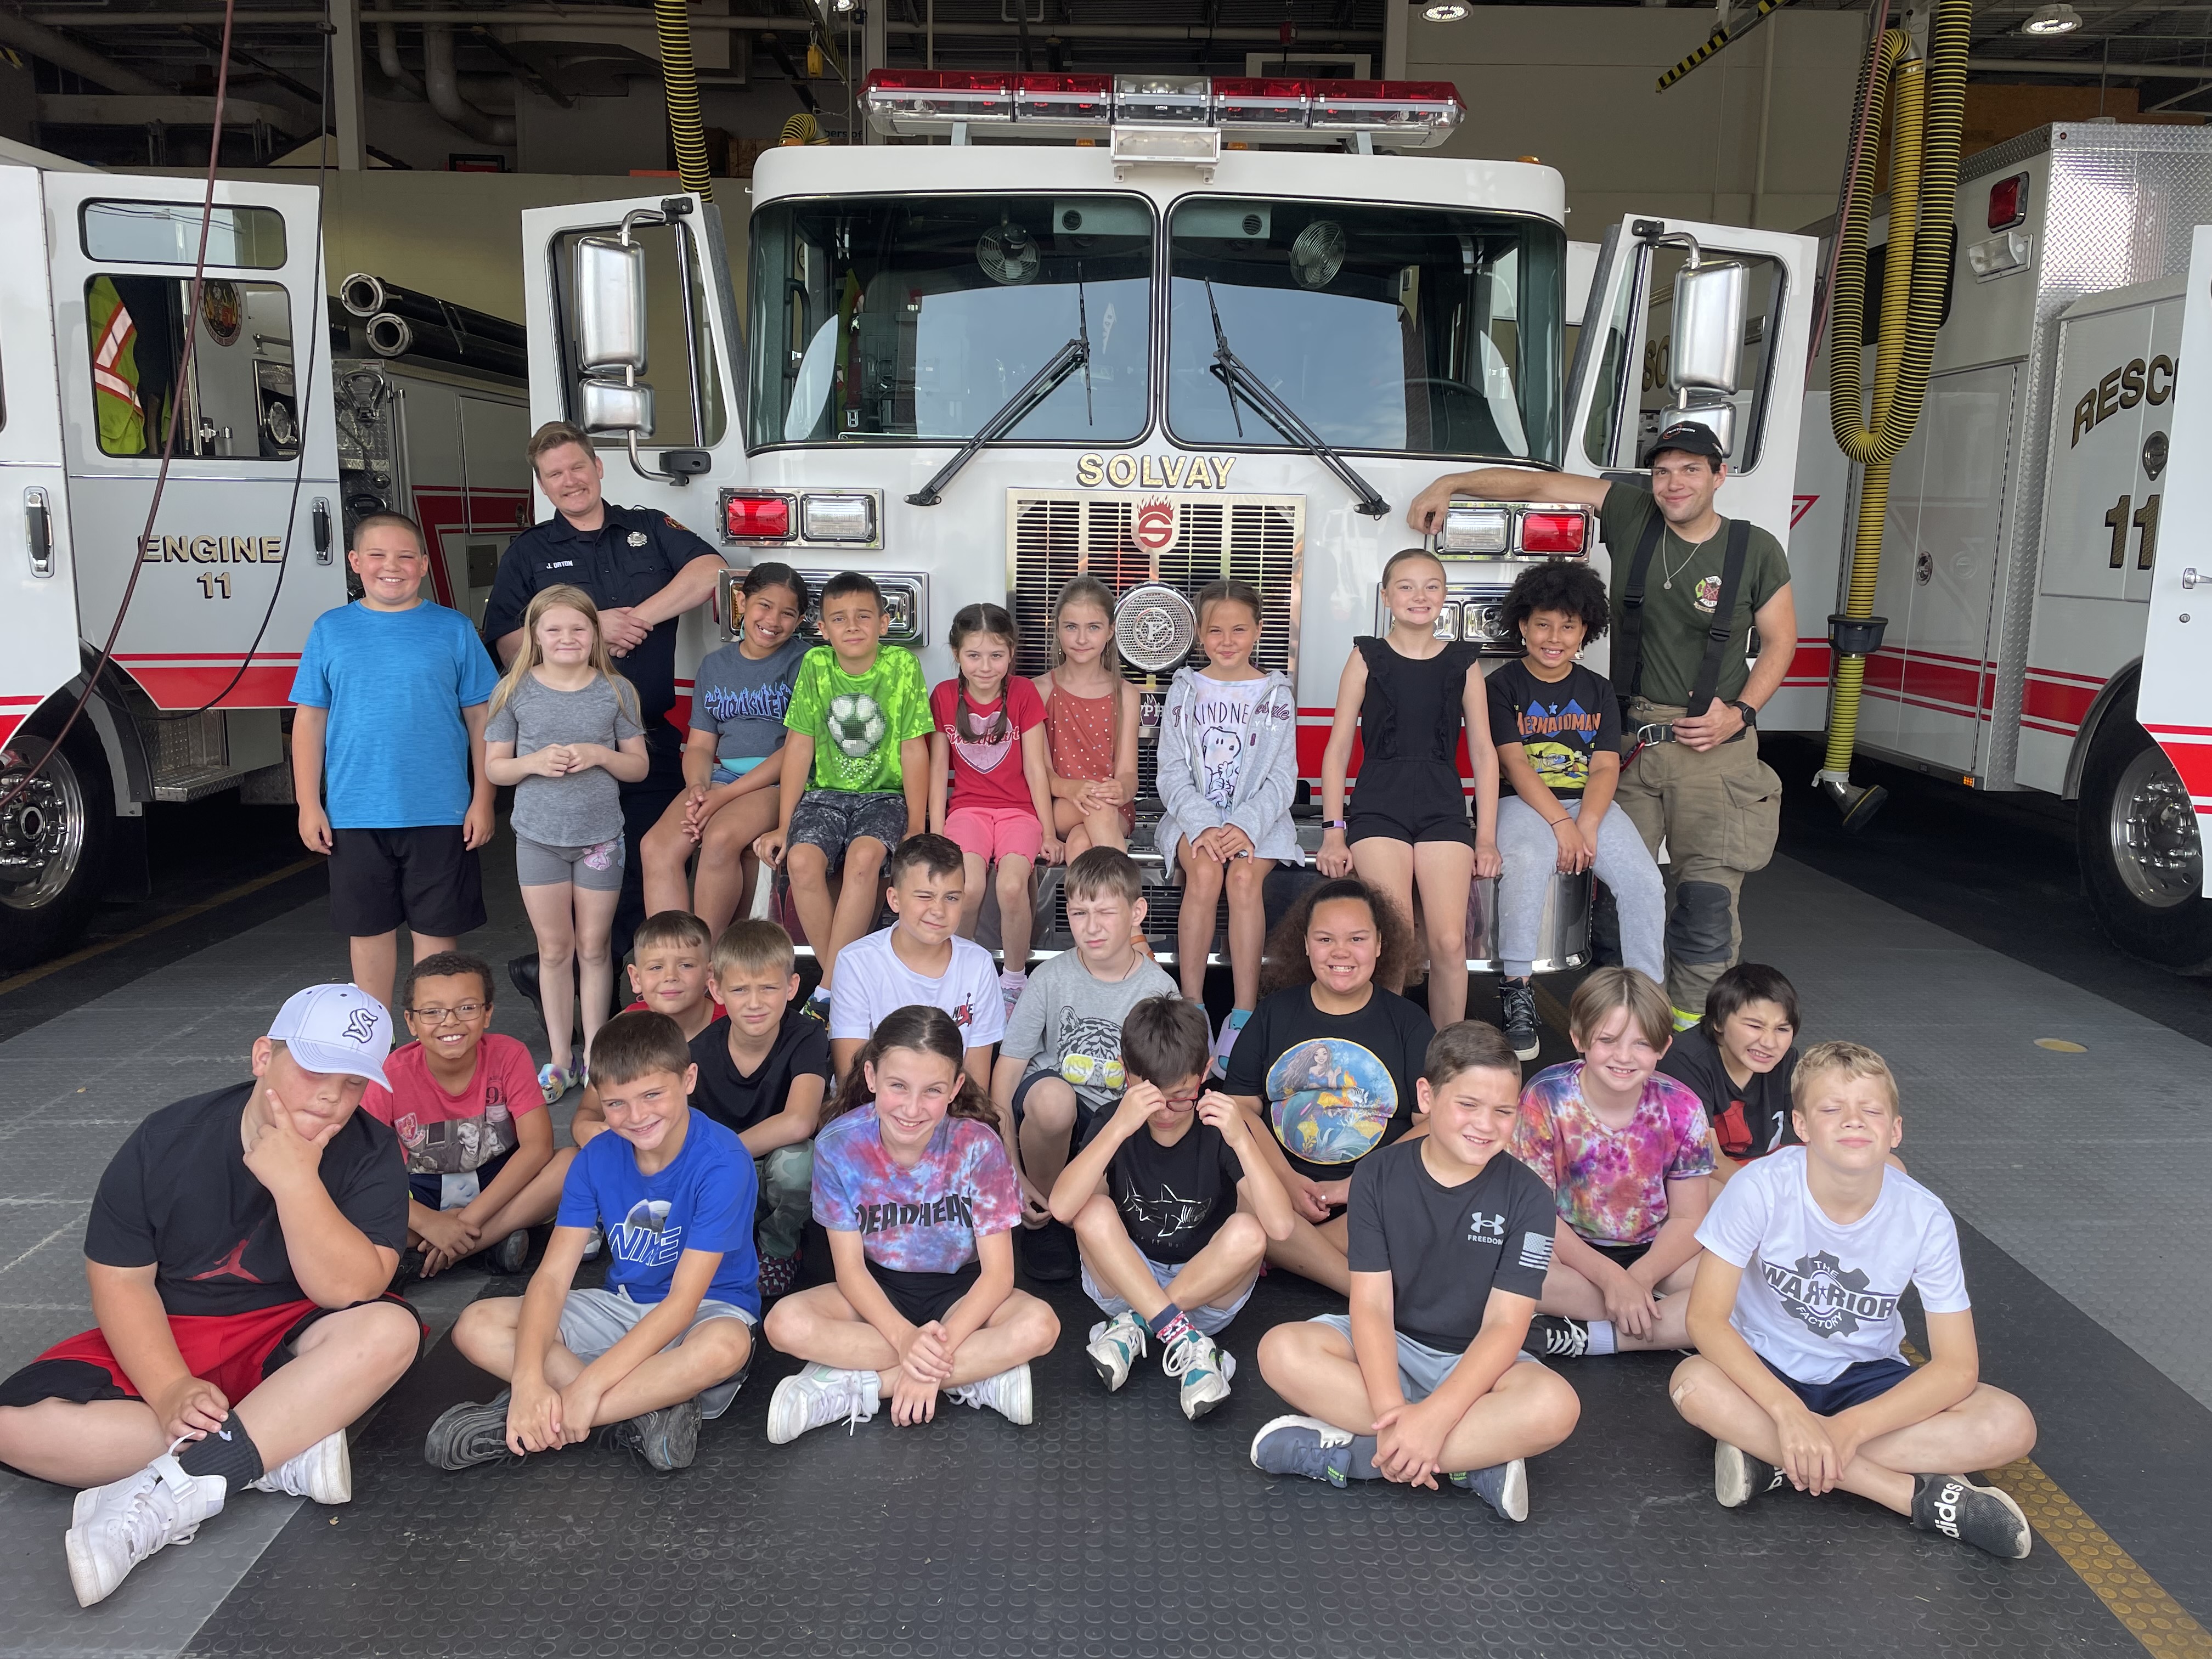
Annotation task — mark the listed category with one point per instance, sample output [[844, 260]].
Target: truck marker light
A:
[[1553, 532], [757, 517], [2008, 201], [837, 517], [1476, 530]]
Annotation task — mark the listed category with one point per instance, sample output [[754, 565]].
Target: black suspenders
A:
[[1628, 647]]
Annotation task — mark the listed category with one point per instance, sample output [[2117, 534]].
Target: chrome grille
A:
[[1052, 536]]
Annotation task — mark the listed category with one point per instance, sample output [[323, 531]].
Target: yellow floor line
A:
[[31, 976]]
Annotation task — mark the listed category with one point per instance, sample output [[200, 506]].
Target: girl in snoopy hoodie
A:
[[1228, 770]]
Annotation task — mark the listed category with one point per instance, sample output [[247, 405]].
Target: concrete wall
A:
[[1573, 88]]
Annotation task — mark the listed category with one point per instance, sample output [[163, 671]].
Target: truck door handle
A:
[[38, 523], [322, 514]]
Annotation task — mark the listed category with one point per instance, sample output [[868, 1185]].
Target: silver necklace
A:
[[1669, 576]]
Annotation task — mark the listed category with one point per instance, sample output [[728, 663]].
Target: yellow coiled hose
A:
[[1927, 114], [680, 81]]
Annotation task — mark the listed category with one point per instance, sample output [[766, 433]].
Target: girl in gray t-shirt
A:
[[564, 731]]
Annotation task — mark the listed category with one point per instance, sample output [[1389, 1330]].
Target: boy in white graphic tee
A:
[[1800, 1374]]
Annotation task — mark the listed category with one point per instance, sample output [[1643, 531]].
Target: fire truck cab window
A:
[[168, 234], [235, 399], [1426, 331], [917, 317]]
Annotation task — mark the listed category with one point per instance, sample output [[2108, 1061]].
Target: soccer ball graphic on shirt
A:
[[856, 724]]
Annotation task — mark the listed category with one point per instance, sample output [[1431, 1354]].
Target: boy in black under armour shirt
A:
[[237, 1251]]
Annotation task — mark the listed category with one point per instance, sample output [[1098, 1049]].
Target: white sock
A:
[[1600, 1337], [1010, 977]]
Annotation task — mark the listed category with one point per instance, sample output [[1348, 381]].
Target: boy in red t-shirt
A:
[[236, 1252], [471, 1122]]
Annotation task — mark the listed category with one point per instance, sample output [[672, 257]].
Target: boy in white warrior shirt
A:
[[1799, 1375]]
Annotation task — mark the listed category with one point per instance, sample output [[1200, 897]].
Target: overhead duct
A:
[[63, 53], [388, 60], [365, 296], [444, 89]]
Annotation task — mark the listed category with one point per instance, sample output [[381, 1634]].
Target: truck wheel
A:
[[2142, 860], [54, 837]]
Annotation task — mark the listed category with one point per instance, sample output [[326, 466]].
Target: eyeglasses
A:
[[464, 1012], [1182, 1100]]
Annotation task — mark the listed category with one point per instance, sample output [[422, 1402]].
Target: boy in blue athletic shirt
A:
[[666, 1344], [392, 694]]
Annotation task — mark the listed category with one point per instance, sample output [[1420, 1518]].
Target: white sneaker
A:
[[324, 1471], [1116, 1344], [117, 1526], [818, 1395], [1008, 1393], [1205, 1371], [596, 1243]]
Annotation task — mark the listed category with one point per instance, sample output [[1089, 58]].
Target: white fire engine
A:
[[92, 321], [2028, 522], [1160, 330]]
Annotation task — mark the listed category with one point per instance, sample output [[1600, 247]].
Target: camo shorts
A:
[[833, 819]]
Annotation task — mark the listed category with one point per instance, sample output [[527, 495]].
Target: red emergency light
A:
[[757, 517], [1407, 114], [2008, 201], [1553, 532]]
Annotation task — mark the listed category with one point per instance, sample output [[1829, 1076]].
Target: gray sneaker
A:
[[1303, 1445], [666, 1439], [1503, 1486], [469, 1434]]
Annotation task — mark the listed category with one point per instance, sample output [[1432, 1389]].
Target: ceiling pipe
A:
[[63, 53], [2088, 68], [439, 81], [629, 17], [395, 69]]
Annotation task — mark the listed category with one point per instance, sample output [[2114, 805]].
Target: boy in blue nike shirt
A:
[[666, 1344]]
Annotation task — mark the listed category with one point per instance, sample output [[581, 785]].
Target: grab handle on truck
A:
[[38, 525]]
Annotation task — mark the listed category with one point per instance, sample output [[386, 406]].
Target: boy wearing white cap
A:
[[238, 1252]]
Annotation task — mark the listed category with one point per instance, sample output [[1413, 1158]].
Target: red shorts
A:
[[234, 1351], [996, 832]]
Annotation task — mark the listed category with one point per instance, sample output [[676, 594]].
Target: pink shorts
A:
[[996, 832]]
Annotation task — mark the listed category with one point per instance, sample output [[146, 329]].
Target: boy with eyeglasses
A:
[[471, 1122]]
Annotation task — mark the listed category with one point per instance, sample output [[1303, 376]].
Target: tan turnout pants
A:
[[1719, 812]]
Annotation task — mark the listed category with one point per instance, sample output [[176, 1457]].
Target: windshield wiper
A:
[[1238, 380], [1075, 355]]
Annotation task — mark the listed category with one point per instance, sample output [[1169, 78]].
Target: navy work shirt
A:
[[628, 560]]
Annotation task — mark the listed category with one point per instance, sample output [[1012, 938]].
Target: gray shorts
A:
[[1421, 1369], [597, 869], [1210, 1321], [833, 819], [592, 1322]]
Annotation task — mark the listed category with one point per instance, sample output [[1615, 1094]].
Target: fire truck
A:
[[1160, 330], [272, 460], [2029, 528]]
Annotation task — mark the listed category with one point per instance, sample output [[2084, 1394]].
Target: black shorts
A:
[[1854, 1386], [1085, 1114], [833, 819], [1410, 801], [1621, 1256], [423, 877], [921, 1298]]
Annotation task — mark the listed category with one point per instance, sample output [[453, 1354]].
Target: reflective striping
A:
[[2138, 1600]]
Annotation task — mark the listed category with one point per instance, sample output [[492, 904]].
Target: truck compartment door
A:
[[247, 529], [37, 595], [2174, 699], [693, 356], [1618, 389]]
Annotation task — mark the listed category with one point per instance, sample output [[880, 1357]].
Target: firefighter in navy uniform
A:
[[643, 570], [1691, 776]]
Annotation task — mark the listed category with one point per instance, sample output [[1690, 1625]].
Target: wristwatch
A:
[[1750, 714], [1334, 823]]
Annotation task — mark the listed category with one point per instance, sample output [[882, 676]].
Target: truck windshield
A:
[[1431, 331], [918, 317]]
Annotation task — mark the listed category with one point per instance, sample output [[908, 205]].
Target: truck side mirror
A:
[[1711, 304], [610, 333]]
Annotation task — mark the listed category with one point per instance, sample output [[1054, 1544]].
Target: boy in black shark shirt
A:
[[1172, 1206]]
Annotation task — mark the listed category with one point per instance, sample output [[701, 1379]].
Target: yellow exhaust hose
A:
[[1927, 114], [679, 81]]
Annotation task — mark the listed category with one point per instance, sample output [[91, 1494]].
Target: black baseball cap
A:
[[1692, 438]]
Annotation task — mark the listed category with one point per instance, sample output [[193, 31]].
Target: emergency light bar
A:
[[919, 103]]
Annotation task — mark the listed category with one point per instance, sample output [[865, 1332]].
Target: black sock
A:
[[229, 1451]]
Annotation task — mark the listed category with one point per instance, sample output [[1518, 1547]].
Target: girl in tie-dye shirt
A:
[[1627, 1154], [912, 1185]]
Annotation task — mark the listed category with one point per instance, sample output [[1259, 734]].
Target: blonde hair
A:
[[1853, 1059], [532, 654], [753, 944], [1609, 989]]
